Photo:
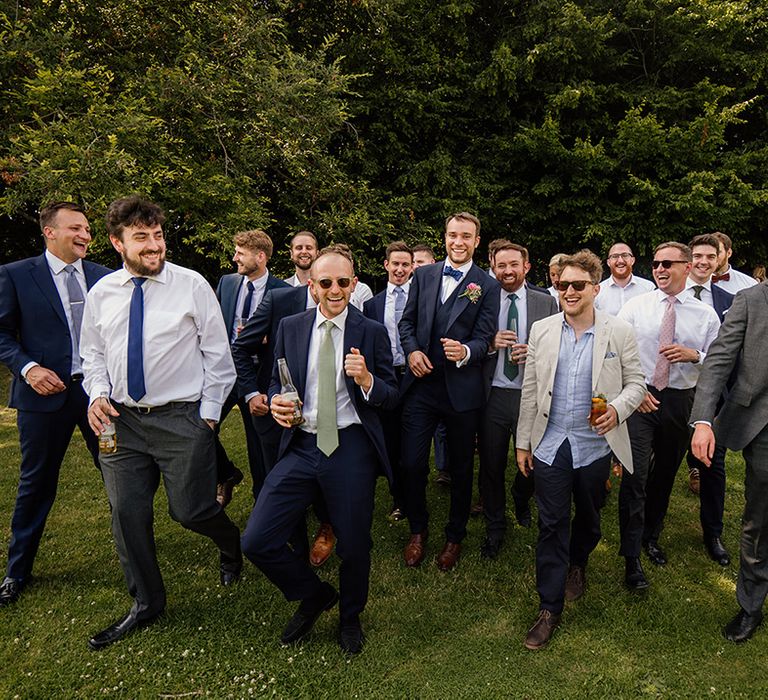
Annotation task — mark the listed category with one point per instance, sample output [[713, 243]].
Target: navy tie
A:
[[456, 274], [246, 314], [136, 388]]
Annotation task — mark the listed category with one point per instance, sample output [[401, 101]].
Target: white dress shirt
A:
[[737, 282], [186, 348], [696, 326], [706, 292], [448, 287], [612, 296], [293, 280], [389, 317], [500, 379], [259, 285]]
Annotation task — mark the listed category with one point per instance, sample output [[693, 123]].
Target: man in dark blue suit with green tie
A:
[[446, 329], [41, 308]]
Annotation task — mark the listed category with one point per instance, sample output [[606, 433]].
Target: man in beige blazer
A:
[[573, 357]]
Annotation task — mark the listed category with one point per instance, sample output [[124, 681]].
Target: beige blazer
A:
[[616, 373]]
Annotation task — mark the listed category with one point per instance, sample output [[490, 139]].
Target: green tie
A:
[[697, 290], [510, 368], [327, 431]]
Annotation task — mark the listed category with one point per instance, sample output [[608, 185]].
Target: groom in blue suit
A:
[[41, 307], [341, 366], [446, 329]]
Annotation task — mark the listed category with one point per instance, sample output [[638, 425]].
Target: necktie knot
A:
[[451, 272], [512, 297], [249, 286], [697, 290], [138, 281], [70, 269]]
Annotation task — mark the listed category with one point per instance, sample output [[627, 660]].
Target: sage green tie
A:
[[327, 431]]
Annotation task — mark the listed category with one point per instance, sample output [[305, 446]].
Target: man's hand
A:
[[453, 349], [354, 366], [257, 405], [649, 404], [419, 363], [524, 461], [99, 413], [679, 353], [703, 443], [519, 353], [44, 381], [282, 411], [503, 339], [608, 421]]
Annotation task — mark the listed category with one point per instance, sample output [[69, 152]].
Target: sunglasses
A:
[[326, 283], [578, 285], [666, 264]]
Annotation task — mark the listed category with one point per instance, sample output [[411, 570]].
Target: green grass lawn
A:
[[430, 635]]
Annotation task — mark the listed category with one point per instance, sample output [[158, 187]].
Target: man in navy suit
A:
[[711, 491], [240, 294], [387, 307], [341, 366], [447, 326], [41, 308]]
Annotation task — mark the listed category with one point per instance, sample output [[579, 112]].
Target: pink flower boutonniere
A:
[[473, 292]]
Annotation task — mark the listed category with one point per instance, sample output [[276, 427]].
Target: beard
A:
[[135, 265]]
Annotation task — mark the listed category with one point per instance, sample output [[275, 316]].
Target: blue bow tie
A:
[[456, 274]]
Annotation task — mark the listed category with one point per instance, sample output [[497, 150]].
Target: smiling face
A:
[[251, 263], [574, 303], [510, 269], [704, 263], [461, 239], [68, 235], [398, 267], [303, 252], [142, 248], [620, 261], [331, 267], [671, 280]]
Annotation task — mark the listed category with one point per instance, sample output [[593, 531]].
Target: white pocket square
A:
[[610, 354]]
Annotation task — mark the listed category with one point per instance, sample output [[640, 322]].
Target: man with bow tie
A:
[[447, 326]]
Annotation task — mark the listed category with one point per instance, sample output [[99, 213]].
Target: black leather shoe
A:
[[655, 553], [229, 570], [300, 625], [351, 638], [490, 547], [10, 590], [742, 627], [118, 630], [717, 552], [634, 576]]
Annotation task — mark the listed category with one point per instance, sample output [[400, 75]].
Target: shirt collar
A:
[[339, 321], [613, 283], [681, 297], [126, 276], [522, 292], [405, 287], [56, 264], [463, 268], [589, 331], [259, 283], [707, 285]]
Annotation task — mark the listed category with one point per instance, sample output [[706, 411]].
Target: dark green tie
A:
[[697, 290], [327, 430], [510, 368]]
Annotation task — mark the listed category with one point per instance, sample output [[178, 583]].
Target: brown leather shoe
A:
[[415, 549], [225, 489], [541, 632], [575, 583], [323, 545], [694, 481], [449, 557], [476, 509]]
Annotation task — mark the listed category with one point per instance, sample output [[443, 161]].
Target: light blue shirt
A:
[[572, 402]]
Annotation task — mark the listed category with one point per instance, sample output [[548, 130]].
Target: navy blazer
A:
[[472, 324], [374, 308], [721, 300], [228, 289], [371, 338], [255, 374], [34, 328]]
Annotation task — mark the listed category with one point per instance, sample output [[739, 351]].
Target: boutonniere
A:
[[473, 292]]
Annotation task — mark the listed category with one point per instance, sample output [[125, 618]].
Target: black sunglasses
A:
[[666, 264], [326, 283], [578, 285]]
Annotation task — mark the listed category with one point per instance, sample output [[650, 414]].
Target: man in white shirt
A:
[[674, 330], [554, 275], [158, 367], [622, 285], [725, 276], [303, 253]]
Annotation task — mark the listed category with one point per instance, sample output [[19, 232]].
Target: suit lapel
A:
[[304, 333], [41, 274], [230, 297], [90, 275], [353, 336], [461, 302], [602, 336], [551, 347], [428, 299]]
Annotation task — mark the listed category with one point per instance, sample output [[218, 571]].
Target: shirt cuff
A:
[[26, 369], [248, 397], [702, 357], [210, 410], [97, 392], [705, 422], [367, 394], [461, 363]]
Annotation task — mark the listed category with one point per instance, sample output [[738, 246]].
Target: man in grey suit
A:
[[503, 369], [741, 424]]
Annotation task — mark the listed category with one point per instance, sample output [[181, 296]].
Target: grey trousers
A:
[[752, 584], [173, 442]]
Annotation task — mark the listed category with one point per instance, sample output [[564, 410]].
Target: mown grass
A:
[[430, 635]]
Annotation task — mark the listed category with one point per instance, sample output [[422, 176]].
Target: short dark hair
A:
[[255, 240], [684, 249], [464, 216], [705, 239], [585, 260], [508, 245], [130, 211], [423, 248], [398, 247], [49, 212], [725, 239], [309, 234]]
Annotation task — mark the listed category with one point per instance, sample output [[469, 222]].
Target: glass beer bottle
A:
[[288, 390]]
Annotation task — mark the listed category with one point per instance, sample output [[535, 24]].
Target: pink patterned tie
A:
[[666, 337]]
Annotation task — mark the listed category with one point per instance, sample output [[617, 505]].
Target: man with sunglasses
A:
[[446, 329], [341, 365], [571, 358], [674, 330], [622, 285]]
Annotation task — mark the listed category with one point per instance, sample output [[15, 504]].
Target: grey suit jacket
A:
[[616, 373], [741, 343]]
